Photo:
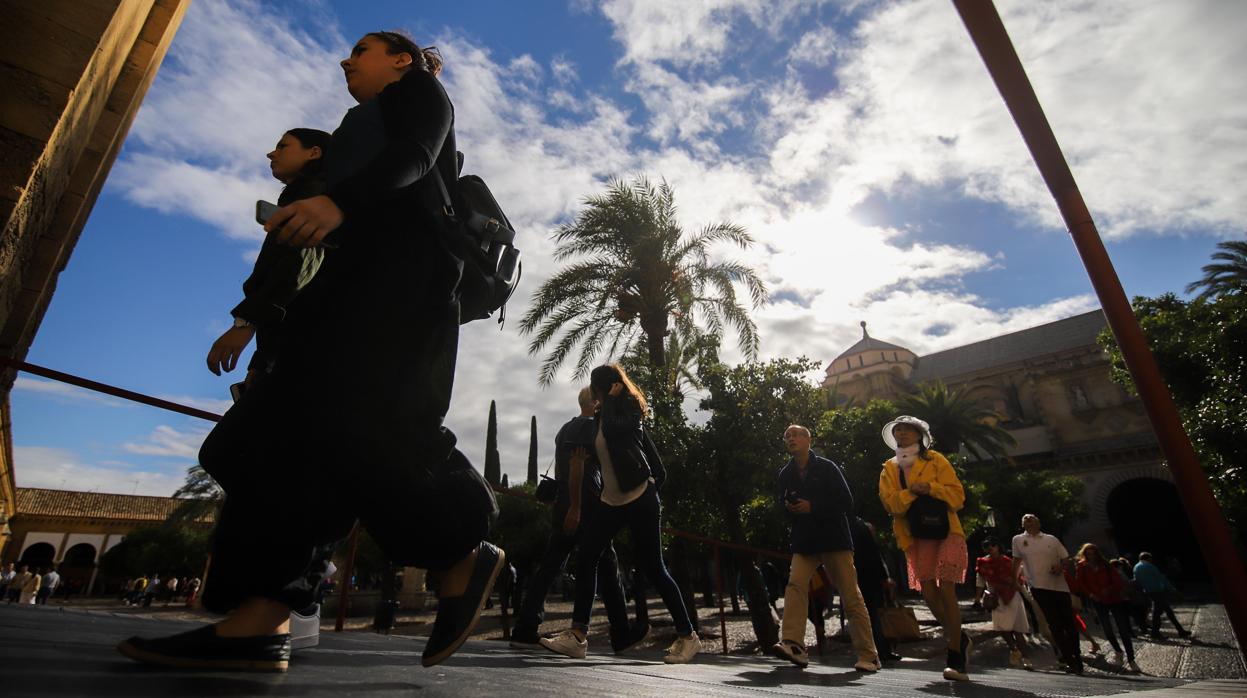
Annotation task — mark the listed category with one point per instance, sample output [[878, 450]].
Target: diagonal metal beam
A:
[[993, 43]]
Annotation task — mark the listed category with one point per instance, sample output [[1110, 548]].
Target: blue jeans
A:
[[643, 519]]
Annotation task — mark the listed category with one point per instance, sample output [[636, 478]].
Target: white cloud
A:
[[65, 391], [1154, 138], [56, 468], [199, 142], [169, 442], [912, 109], [816, 47]]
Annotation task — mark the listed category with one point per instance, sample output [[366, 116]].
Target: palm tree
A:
[[957, 421], [637, 274], [201, 498], [1228, 275]]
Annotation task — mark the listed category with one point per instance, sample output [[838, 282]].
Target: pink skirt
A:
[[945, 560]]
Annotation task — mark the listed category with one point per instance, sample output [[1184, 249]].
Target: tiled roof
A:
[[1062, 335], [35, 501], [867, 343]]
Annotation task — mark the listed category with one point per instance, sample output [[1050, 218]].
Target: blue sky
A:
[[861, 143]]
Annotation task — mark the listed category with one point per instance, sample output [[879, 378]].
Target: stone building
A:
[[1051, 388], [72, 76], [73, 529]]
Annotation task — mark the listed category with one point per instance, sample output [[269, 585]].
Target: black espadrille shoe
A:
[[202, 648], [457, 616]]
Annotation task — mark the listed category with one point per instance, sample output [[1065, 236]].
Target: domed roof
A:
[[868, 343]]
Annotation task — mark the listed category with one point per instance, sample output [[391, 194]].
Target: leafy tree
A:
[[523, 527], [1011, 491], [957, 421], [164, 550], [202, 498], [1201, 349], [1227, 275], [493, 462], [851, 437], [637, 274], [532, 452]]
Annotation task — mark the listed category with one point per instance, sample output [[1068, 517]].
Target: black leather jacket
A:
[[633, 455]]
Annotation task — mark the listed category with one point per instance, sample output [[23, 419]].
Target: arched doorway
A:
[[38, 555], [77, 566], [1146, 514]]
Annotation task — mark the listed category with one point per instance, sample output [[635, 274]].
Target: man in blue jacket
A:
[[814, 495]]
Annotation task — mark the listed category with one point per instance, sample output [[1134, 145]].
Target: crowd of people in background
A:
[[1031, 586], [144, 590]]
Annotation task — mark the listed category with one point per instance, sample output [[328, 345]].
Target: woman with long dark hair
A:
[[357, 398], [632, 475]]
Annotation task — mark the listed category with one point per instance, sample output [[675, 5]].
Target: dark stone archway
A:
[[1146, 514], [38, 555]]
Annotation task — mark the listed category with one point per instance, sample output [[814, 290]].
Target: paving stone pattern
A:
[[52, 651]]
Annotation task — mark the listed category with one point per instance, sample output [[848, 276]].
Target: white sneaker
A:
[[683, 649], [567, 644], [304, 630], [793, 652]]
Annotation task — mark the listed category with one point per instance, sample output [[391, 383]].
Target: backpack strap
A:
[[448, 208]]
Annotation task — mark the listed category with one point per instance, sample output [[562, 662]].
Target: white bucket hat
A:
[[914, 422]]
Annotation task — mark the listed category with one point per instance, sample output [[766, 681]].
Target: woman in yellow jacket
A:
[[936, 565]]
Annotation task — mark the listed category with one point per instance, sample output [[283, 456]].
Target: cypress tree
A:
[[532, 453], [493, 462], [505, 485]]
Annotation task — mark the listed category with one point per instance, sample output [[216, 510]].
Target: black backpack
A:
[[927, 516], [481, 236]]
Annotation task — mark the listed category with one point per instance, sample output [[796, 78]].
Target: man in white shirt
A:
[[1044, 558], [51, 581]]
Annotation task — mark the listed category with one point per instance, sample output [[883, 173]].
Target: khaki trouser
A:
[[843, 574]]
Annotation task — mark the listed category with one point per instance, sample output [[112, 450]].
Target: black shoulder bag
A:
[[927, 516], [547, 488], [484, 239]]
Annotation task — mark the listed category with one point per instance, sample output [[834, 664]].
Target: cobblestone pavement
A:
[[1211, 654], [70, 652]]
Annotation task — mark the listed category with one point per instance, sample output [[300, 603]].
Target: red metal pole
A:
[[718, 582], [348, 569], [1229, 576], [107, 389]]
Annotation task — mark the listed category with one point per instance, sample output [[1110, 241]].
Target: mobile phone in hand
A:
[[264, 210], [237, 389]]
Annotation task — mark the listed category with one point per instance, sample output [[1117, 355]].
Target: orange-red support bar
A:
[[994, 45]]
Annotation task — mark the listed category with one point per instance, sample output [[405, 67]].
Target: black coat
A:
[[280, 274], [633, 455], [826, 527], [383, 340], [579, 432]]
